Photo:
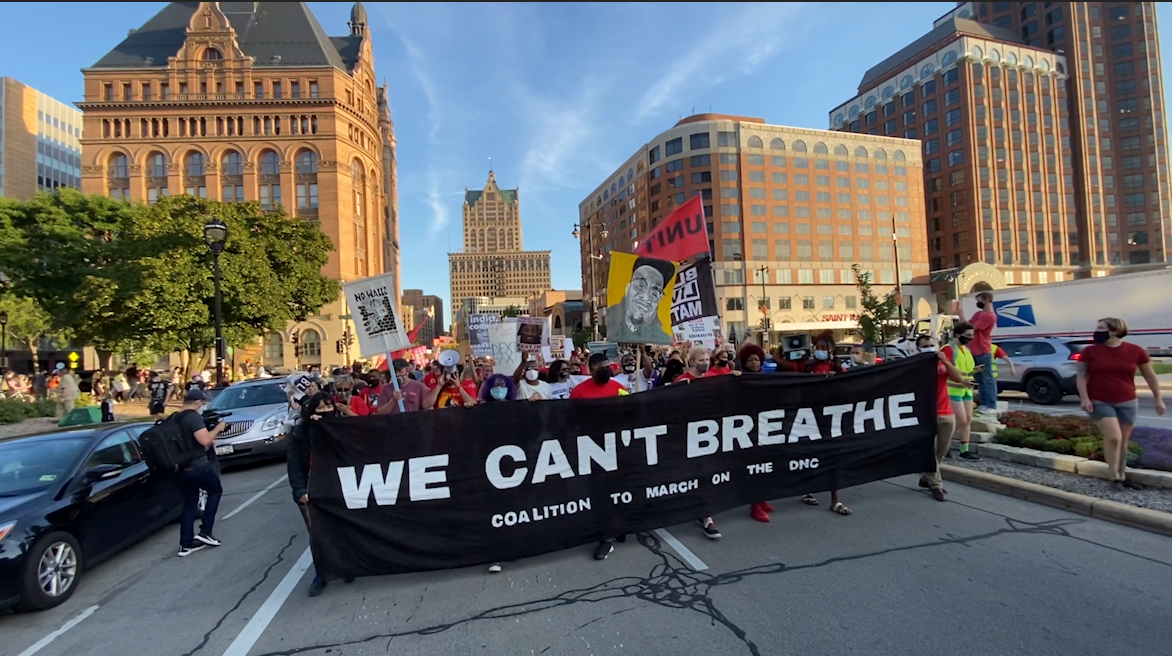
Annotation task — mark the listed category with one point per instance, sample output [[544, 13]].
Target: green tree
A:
[[28, 324], [512, 311], [137, 277], [876, 313]]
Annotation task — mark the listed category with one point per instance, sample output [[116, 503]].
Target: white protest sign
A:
[[560, 347], [375, 315], [506, 353]]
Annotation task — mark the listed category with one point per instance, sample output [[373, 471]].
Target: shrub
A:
[[1012, 436], [1035, 440], [1070, 426], [1059, 446], [1157, 447], [1027, 421], [13, 411], [1088, 447]]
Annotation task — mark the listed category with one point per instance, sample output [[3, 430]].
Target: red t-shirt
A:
[[943, 403], [983, 323], [1111, 371], [431, 380], [588, 389], [823, 367], [449, 396]]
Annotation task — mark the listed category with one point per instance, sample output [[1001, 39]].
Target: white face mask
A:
[[531, 375], [927, 349]]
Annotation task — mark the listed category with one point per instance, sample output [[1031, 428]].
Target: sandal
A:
[[809, 500], [1132, 485], [840, 509]]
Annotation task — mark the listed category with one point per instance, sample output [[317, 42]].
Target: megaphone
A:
[[449, 358]]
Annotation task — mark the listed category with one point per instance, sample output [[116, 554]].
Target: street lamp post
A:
[[763, 271], [898, 280], [604, 233], [215, 233], [4, 340]]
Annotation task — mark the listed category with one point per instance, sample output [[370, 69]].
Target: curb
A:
[[1153, 521]]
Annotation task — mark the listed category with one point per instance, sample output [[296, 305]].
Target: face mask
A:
[[980, 305], [857, 358], [602, 375], [702, 367], [1101, 336], [927, 349], [964, 339], [344, 396], [821, 355], [499, 393], [629, 368], [531, 375]]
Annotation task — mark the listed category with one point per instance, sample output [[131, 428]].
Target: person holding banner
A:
[[528, 379], [414, 394], [558, 377]]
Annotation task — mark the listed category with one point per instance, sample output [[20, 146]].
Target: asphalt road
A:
[[983, 574]]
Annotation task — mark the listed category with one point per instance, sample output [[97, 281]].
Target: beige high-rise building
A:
[[493, 263], [251, 101], [40, 142]]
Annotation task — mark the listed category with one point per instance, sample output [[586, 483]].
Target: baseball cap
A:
[[194, 395]]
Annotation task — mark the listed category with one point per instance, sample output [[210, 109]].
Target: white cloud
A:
[[422, 72], [437, 203], [739, 44]]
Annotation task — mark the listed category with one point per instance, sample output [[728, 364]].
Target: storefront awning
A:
[[814, 326]]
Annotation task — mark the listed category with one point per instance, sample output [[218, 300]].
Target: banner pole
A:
[[395, 380], [638, 367]]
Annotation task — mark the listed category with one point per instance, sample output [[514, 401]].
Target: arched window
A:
[[854, 111], [306, 161], [358, 176], [274, 349], [777, 144], [194, 167], [899, 156], [994, 55], [269, 180], [557, 323], [869, 102], [631, 174], [193, 164], [310, 345], [212, 54], [156, 181], [949, 58], [860, 152], [880, 153], [888, 92], [1028, 62], [614, 188], [820, 148], [118, 177], [232, 177], [755, 142], [799, 146], [1011, 59], [306, 189], [841, 150], [977, 53]]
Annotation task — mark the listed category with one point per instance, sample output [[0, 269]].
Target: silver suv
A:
[[1045, 367], [256, 424]]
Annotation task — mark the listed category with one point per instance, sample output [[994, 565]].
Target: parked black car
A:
[[69, 499]]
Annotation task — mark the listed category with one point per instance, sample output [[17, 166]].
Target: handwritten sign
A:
[[506, 353]]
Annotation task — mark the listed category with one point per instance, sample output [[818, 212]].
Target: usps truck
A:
[[1071, 309]]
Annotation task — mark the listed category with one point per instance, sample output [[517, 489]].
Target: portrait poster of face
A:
[[638, 299]]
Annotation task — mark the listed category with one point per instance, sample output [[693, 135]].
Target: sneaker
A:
[[207, 538], [317, 586], [766, 506], [758, 513], [603, 550], [494, 568], [187, 551], [969, 455], [924, 483], [710, 530], [938, 494]]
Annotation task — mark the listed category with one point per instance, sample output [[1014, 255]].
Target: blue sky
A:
[[556, 94]]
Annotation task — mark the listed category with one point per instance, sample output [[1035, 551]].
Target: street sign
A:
[[345, 317], [74, 357]]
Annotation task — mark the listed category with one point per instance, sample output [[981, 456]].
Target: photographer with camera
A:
[[199, 474]]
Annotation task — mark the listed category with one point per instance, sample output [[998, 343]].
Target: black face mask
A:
[[980, 305], [964, 339], [602, 375], [1101, 336]]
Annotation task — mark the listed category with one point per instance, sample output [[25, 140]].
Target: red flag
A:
[[681, 235]]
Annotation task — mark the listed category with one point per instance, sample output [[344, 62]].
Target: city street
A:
[[983, 574]]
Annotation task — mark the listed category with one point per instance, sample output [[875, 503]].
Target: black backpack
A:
[[167, 447]]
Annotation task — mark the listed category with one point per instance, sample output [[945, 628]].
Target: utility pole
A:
[[898, 281], [763, 271]]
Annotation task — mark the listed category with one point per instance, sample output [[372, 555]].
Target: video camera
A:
[[211, 418]]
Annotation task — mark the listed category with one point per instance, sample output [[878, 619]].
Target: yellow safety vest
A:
[[994, 368], [962, 357]]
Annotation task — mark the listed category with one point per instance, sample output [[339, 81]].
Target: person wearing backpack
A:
[[198, 473]]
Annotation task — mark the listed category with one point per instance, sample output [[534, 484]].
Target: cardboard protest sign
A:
[[376, 318], [639, 299]]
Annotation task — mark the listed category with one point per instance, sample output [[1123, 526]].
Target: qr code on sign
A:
[[377, 316]]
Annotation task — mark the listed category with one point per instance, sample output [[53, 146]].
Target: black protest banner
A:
[[694, 296], [503, 481]]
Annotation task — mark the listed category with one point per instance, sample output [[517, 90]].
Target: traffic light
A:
[[296, 350], [340, 345]]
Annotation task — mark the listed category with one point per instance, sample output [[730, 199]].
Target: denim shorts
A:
[[1125, 412]]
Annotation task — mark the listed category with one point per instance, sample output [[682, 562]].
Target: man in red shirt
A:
[[945, 419], [414, 394], [600, 385], [982, 349]]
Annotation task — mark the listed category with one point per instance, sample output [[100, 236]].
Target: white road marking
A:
[[268, 610], [683, 551], [254, 498], [44, 642]]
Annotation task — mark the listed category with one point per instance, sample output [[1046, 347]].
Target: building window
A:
[[310, 344], [270, 180], [698, 141], [674, 147], [274, 348]]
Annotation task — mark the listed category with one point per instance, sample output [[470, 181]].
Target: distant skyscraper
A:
[[40, 142], [492, 263], [1115, 101], [426, 307]]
